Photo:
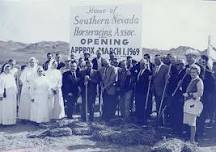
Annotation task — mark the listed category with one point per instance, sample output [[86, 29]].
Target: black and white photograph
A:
[[108, 76]]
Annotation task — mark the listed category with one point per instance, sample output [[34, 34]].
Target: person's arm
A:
[[94, 77], [100, 77], [167, 70], [60, 80], [211, 84], [82, 81], [200, 88], [64, 87], [23, 77], [32, 90], [1, 88]]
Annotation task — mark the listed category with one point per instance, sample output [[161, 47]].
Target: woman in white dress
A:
[[8, 92], [26, 79], [54, 77], [40, 92]]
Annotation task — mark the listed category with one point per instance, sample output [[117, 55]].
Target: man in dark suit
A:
[[208, 79], [176, 99], [112, 59], [70, 88], [214, 95], [141, 90], [86, 56], [108, 80], [160, 76], [90, 78], [134, 72], [72, 57], [150, 66], [170, 60], [129, 62], [125, 90], [58, 60], [190, 59], [97, 62], [49, 57]]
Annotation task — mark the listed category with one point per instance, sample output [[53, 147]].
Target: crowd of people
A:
[[50, 91]]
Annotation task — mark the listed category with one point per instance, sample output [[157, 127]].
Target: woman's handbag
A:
[[193, 107]]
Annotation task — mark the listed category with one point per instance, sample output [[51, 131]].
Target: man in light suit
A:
[[108, 85], [160, 76]]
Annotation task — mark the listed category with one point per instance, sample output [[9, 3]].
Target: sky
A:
[[166, 23]]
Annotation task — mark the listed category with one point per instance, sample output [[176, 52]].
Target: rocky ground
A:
[[18, 139], [72, 135]]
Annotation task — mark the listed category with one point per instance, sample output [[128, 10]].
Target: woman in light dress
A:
[[54, 77], [26, 79], [40, 93], [194, 91], [8, 92]]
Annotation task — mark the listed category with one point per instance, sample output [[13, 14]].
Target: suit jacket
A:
[[45, 65], [143, 82], [151, 66], [124, 82], [92, 83], [95, 63], [108, 79], [159, 80], [172, 84], [70, 84], [209, 87], [60, 65], [208, 79]]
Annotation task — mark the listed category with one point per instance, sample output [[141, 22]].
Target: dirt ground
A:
[[14, 139]]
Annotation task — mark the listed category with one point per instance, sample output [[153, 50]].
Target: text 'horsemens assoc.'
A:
[[115, 19]]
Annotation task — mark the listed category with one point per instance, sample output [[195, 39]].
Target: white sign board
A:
[[115, 28]]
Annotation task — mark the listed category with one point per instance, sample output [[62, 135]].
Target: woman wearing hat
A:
[[8, 92], [193, 94]]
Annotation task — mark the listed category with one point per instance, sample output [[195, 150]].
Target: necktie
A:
[[149, 68], [140, 73], [157, 69], [74, 75], [105, 72], [89, 72]]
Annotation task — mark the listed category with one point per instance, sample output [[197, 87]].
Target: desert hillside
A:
[[22, 51]]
